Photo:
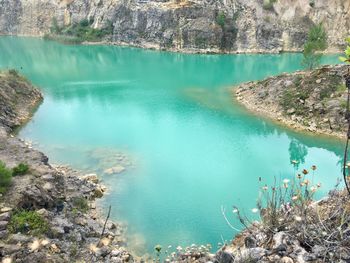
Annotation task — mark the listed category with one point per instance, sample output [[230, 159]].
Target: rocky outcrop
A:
[[17, 100], [64, 198], [314, 101], [190, 26]]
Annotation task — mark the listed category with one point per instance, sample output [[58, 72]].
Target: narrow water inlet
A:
[[187, 148]]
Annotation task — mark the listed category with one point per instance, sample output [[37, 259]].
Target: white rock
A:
[[115, 170]]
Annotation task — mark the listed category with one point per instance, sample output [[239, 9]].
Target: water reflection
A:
[[191, 148]]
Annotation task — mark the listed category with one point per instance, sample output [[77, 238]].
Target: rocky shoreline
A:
[[62, 197], [311, 101], [65, 200]]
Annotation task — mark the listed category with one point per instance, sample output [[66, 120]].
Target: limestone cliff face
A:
[[249, 26]]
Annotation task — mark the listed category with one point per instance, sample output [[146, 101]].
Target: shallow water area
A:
[[170, 121]]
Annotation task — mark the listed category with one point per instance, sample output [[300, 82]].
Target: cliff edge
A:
[[231, 26]]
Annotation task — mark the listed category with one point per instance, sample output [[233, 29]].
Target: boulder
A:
[[115, 169], [91, 178], [5, 216], [3, 225]]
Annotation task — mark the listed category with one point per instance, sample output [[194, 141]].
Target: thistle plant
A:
[[288, 206]]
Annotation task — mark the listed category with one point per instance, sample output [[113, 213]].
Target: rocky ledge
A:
[[57, 200], [313, 101]]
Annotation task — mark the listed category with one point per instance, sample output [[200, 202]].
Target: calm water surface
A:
[[190, 149]]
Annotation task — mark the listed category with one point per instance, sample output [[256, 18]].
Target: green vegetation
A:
[[220, 19], [268, 4], [346, 57], [316, 42], [5, 178], [20, 169], [287, 206], [13, 72], [229, 30], [79, 32], [295, 96], [81, 204], [24, 221], [6, 174]]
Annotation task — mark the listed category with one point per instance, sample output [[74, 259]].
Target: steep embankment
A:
[[17, 100], [314, 101], [191, 26], [47, 214]]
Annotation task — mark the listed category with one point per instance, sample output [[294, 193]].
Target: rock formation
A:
[[314, 101], [190, 26]]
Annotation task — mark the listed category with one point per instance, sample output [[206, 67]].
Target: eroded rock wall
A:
[[187, 25]]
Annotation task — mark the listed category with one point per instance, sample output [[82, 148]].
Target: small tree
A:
[[220, 19], [346, 57], [316, 42]]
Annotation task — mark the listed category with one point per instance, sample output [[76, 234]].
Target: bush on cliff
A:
[[81, 204], [30, 222], [268, 4], [79, 32], [20, 169], [5, 178]]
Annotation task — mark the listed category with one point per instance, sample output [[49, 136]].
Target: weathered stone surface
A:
[[187, 25], [5, 216], [300, 100], [91, 178], [3, 225], [115, 169]]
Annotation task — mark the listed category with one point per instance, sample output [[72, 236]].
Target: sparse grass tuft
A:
[[268, 4], [30, 222], [81, 204], [20, 169], [5, 178]]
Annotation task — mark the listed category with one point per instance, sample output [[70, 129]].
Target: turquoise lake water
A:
[[190, 148]]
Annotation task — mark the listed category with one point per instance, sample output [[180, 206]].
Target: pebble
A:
[[5, 209], [3, 225], [5, 216]]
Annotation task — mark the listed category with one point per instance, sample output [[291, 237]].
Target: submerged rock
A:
[[115, 170]]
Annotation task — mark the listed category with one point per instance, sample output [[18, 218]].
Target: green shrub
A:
[[20, 169], [5, 178], [13, 72], [81, 204], [346, 57], [220, 19], [341, 88], [84, 23], [268, 4], [28, 222], [79, 32]]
